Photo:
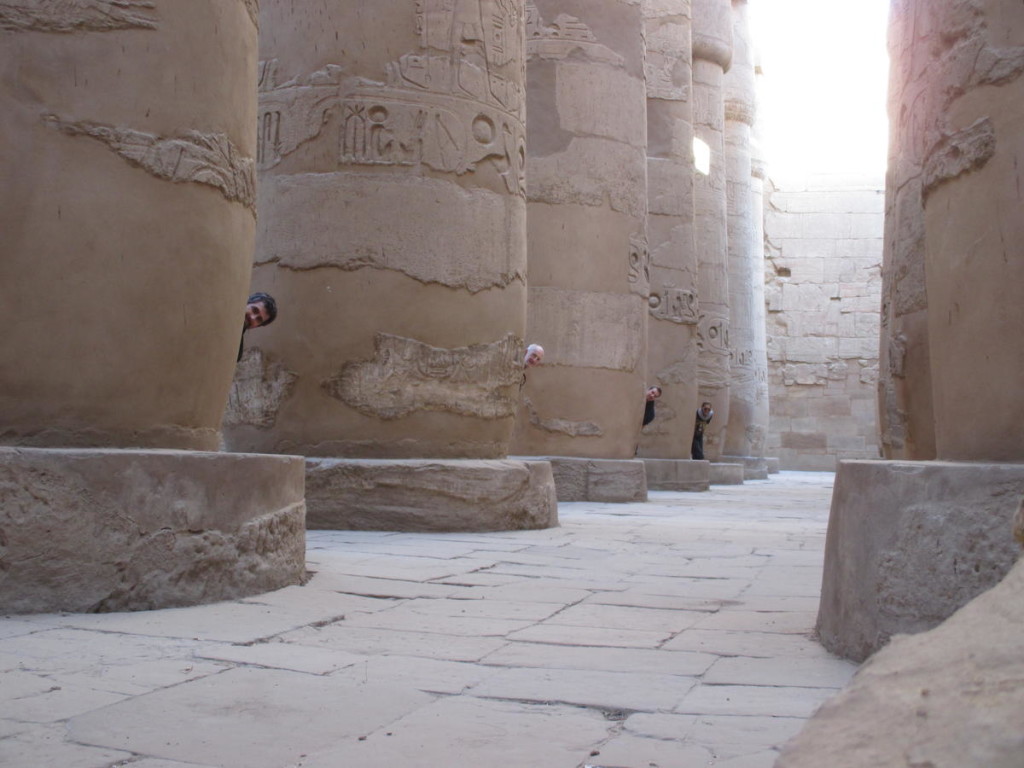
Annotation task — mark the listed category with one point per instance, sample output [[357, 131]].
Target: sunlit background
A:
[[822, 105]]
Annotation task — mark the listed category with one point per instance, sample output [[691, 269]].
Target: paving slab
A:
[[674, 632]]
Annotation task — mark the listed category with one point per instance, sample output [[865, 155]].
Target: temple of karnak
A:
[[427, 186]]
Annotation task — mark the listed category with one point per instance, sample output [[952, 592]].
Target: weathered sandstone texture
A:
[[617, 481], [429, 495], [712, 55], [673, 305], [677, 475], [392, 230], [823, 297], [911, 542], [948, 698], [128, 215], [727, 473], [748, 365], [589, 262], [112, 530]]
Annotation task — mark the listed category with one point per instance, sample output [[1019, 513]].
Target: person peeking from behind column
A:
[[704, 415], [534, 356], [260, 310], [653, 393]]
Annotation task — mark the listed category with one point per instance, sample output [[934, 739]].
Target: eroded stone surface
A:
[[911, 542], [609, 480], [77, 15], [259, 388], [950, 697], [423, 495], [130, 530]]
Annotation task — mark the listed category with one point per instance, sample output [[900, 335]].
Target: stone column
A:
[[910, 542], [392, 234], [748, 425], [589, 271], [712, 55], [673, 308], [128, 213]]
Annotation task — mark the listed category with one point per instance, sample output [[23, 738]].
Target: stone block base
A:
[[429, 495], [125, 530], [617, 481], [774, 465], [677, 475], [754, 467], [722, 473], [911, 542]]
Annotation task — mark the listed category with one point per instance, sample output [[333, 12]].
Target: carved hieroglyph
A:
[[210, 159], [77, 15], [561, 426], [406, 376]]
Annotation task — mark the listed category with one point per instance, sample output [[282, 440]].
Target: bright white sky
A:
[[823, 93]]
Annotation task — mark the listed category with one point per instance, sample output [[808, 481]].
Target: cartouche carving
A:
[[259, 389], [202, 158], [561, 426], [677, 305], [76, 15], [406, 376], [639, 269]]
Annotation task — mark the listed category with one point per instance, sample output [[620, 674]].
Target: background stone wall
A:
[[823, 254]]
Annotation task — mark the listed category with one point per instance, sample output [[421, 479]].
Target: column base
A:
[[615, 481], [428, 495], [97, 530], [677, 475], [911, 542], [725, 473], [774, 464], [754, 467]]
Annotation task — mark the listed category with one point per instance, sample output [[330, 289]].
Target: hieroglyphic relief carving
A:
[[76, 15], [564, 37], [406, 376], [561, 426], [639, 266], [260, 387], [456, 102], [202, 158], [665, 54], [714, 345], [677, 305]]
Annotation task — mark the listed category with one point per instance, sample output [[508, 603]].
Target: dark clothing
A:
[[697, 446], [648, 412]]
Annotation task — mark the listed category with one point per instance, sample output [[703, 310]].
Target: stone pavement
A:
[[667, 634]]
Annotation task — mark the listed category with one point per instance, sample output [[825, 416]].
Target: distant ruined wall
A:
[[823, 295]]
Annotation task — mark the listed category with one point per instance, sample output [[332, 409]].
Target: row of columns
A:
[[439, 182]]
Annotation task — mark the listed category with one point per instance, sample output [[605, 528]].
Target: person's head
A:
[[534, 356], [653, 393], [705, 406], [261, 309]]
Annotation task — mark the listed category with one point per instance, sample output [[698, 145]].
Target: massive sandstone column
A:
[[909, 542], [712, 55], [128, 213], [392, 234], [673, 309], [748, 424], [589, 269]]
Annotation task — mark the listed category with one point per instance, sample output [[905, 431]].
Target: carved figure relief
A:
[[406, 376], [456, 102], [201, 158], [561, 426], [639, 266], [713, 344], [77, 15], [258, 390], [677, 305]]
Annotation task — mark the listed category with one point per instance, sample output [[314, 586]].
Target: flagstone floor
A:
[[670, 634]]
